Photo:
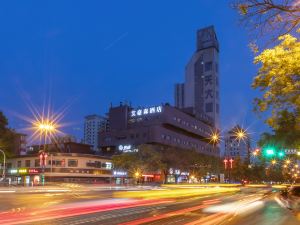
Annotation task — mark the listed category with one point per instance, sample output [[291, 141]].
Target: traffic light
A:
[[281, 154], [270, 152]]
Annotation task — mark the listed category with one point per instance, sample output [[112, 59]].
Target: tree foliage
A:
[[269, 17], [151, 158], [279, 80], [7, 136]]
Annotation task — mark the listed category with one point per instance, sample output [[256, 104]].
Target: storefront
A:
[[25, 176], [120, 178], [59, 167]]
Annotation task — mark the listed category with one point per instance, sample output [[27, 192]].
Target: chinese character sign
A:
[[146, 111]]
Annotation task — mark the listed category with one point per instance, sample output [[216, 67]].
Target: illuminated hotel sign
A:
[[127, 148], [120, 173], [146, 111]]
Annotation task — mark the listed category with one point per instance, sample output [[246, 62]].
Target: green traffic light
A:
[[281, 154], [270, 152]]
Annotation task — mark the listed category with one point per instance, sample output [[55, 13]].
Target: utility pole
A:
[[3, 168]]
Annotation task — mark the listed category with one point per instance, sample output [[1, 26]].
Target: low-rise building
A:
[[64, 167]]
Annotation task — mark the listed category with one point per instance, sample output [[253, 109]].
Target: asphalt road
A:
[[247, 207]]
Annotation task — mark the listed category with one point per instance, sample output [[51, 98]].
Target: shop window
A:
[[19, 163]]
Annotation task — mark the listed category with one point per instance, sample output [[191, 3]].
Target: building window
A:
[[208, 66], [217, 67], [58, 163], [19, 163], [36, 163], [217, 108], [72, 163], [209, 107], [27, 163]]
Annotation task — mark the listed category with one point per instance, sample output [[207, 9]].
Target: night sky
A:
[[87, 54]]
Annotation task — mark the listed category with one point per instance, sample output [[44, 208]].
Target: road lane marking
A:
[[163, 216]]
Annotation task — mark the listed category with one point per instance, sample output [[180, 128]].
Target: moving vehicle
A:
[[291, 197]]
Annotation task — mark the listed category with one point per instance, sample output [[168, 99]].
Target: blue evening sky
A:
[[87, 54]]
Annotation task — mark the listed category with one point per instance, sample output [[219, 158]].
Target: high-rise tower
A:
[[93, 124], [200, 90]]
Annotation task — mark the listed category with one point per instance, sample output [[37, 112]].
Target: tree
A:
[[146, 159], [7, 136], [152, 158], [279, 80], [265, 17]]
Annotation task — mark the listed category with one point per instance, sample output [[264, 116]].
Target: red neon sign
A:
[[231, 161], [33, 171], [225, 163]]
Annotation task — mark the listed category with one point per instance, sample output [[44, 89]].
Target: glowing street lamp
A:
[[241, 134], [45, 128], [137, 174], [284, 166], [273, 162], [214, 138], [288, 161]]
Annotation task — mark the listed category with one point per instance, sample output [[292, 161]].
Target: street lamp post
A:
[[46, 129], [3, 168]]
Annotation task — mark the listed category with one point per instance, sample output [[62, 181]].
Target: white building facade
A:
[[237, 147], [93, 124]]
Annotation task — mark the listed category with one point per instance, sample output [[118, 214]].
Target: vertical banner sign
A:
[[225, 163], [231, 161], [43, 159]]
